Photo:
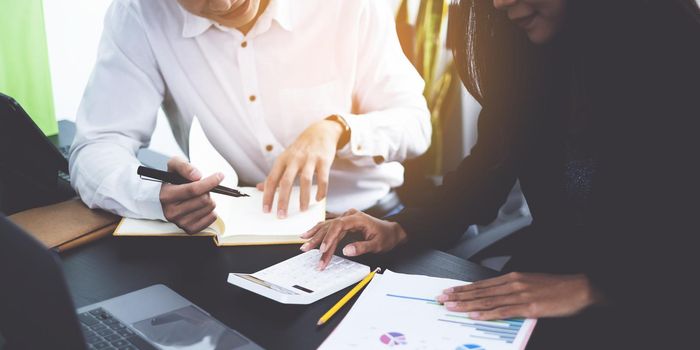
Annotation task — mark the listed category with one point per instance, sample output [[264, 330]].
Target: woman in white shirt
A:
[[285, 90]]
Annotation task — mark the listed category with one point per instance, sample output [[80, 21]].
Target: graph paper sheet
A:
[[400, 311]]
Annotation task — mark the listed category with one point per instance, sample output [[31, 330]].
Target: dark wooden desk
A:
[[197, 269]]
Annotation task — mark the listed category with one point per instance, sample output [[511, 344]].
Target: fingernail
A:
[[195, 174], [448, 290], [450, 304], [441, 298], [281, 214], [320, 266], [323, 247], [474, 315], [304, 247], [349, 251], [266, 208]]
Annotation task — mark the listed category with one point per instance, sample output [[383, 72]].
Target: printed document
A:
[[399, 311]]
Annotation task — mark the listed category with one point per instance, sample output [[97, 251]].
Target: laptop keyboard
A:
[[103, 331]]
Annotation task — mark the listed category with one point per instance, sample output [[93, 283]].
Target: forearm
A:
[[470, 195], [117, 116], [103, 173]]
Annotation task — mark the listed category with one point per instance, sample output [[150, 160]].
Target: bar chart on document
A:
[[399, 311]]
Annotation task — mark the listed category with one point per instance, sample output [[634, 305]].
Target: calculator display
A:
[[266, 284]]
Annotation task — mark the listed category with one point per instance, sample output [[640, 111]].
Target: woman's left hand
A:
[[529, 295]]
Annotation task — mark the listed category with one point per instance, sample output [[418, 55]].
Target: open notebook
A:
[[241, 220]]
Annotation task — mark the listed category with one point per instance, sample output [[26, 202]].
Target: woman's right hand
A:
[[379, 235], [189, 206]]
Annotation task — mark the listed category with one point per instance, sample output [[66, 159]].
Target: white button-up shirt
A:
[[302, 61]]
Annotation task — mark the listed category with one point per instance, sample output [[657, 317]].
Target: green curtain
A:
[[24, 60]]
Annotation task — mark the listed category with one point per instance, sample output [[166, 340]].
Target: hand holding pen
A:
[[184, 195]]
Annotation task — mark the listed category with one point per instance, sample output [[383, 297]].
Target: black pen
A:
[[176, 179]]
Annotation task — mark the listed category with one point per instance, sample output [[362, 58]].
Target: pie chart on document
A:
[[393, 339]]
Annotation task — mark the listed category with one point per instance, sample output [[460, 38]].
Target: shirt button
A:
[[252, 98], [244, 44], [358, 147], [268, 148]]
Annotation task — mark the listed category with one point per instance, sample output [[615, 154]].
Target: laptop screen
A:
[[36, 311], [30, 164]]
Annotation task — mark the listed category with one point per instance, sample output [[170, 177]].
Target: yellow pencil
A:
[[346, 298]]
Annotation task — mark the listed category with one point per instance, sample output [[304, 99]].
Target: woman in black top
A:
[[591, 105]]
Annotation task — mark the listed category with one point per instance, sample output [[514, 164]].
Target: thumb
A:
[[360, 248], [213, 180], [184, 169]]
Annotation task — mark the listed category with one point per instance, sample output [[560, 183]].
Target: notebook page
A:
[[142, 227], [244, 215]]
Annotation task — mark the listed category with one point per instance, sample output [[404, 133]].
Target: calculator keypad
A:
[[301, 271]]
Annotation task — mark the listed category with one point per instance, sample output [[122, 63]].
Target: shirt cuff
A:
[[148, 200], [360, 149]]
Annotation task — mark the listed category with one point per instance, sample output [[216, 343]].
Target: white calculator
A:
[[297, 281]]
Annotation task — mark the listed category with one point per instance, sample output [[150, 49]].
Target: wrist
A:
[[344, 136], [399, 233], [331, 128], [591, 295]]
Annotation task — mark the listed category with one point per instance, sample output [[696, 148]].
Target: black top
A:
[[615, 202]]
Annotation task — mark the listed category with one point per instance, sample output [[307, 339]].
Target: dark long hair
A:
[[496, 61]]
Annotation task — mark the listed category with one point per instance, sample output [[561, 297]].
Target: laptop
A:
[[34, 167], [33, 172], [36, 311]]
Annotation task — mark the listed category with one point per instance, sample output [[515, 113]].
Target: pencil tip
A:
[[319, 323]]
